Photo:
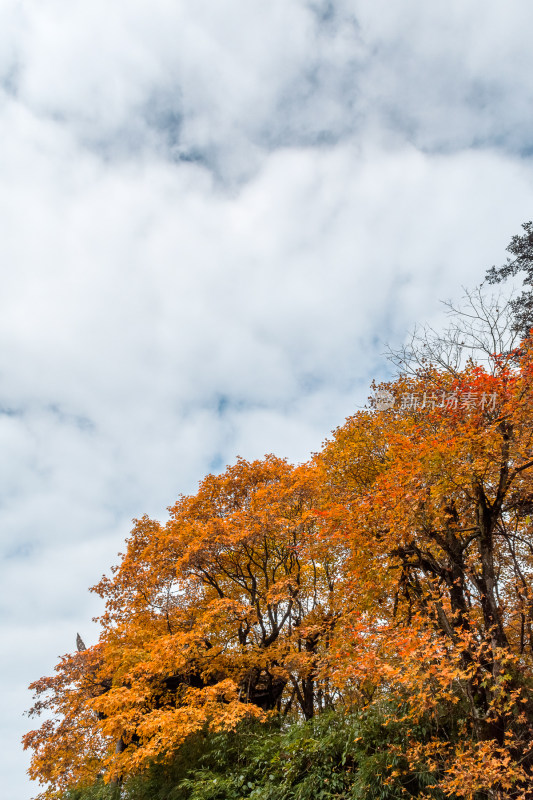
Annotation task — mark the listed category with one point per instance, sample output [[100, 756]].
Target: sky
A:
[[213, 218]]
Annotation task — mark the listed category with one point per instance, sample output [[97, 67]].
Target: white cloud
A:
[[213, 217]]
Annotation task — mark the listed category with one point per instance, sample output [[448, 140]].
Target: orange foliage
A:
[[220, 614]]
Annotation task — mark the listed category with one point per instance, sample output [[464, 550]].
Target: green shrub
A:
[[336, 755]]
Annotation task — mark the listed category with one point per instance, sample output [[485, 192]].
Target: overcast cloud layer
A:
[[213, 216]]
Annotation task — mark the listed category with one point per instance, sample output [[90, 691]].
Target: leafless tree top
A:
[[481, 325]]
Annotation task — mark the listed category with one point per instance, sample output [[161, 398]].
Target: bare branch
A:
[[482, 326]]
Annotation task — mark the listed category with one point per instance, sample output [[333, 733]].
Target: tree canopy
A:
[[390, 575]]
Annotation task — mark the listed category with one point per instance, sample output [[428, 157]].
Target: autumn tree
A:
[[434, 495], [220, 614]]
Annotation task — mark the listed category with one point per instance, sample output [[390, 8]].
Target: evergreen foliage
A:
[[335, 756]]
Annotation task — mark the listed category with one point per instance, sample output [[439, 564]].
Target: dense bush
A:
[[335, 755]]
